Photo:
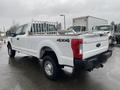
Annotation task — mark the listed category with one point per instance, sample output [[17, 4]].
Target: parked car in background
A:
[[106, 29], [95, 25], [88, 22]]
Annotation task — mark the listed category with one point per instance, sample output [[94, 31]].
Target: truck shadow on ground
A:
[[30, 68]]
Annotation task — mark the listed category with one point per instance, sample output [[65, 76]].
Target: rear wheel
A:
[[11, 52], [50, 67]]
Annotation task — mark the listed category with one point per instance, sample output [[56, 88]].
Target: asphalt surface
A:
[[24, 73]]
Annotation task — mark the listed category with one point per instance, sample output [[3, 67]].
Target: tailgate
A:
[[94, 45]]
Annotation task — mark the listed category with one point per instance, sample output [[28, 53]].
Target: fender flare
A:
[[53, 46]]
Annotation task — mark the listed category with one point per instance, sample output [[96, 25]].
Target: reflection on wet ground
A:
[[25, 73]]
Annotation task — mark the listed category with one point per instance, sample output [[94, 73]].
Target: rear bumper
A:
[[93, 62]]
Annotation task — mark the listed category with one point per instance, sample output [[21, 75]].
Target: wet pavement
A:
[[24, 73]]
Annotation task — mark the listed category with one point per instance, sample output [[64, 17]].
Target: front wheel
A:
[[11, 52], [50, 68]]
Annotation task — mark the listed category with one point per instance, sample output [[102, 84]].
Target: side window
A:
[[24, 28], [52, 28], [21, 30]]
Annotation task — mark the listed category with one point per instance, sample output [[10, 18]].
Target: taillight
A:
[[76, 44]]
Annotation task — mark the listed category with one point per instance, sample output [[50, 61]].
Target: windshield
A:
[[103, 28]]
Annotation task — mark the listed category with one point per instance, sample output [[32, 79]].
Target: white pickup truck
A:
[[57, 51]]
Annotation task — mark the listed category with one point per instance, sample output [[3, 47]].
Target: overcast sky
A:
[[20, 11]]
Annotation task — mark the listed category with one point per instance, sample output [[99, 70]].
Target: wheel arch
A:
[[46, 50]]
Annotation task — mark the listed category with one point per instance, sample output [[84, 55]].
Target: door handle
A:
[[17, 38]]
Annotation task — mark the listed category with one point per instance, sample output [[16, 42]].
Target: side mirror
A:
[[13, 34]]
